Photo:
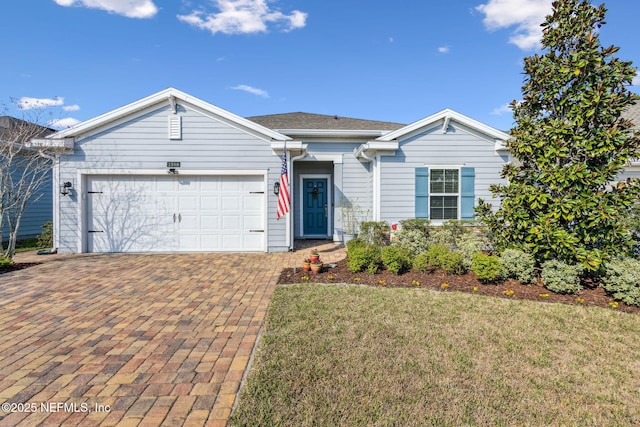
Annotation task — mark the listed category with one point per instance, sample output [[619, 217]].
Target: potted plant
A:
[[306, 264], [316, 267], [351, 217], [314, 257]]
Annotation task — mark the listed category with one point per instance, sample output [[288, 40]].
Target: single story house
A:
[[171, 172], [39, 209]]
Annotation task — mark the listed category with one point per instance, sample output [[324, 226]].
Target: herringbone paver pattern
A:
[[160, 339]]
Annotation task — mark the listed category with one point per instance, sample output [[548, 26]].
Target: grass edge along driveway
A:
[[349, 355]]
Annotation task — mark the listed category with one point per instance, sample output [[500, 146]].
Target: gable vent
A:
[[175, 127]]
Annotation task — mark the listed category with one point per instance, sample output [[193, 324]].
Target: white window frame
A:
[[458, 194]]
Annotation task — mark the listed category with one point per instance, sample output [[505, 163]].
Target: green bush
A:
[[396, 258], [622, 280], [4, 261], [354, 243], [421, 263], [376, 232], [468, 245], [488, 268], [454, 263], [436, 255], [560, 277], [413, 240], [416, 224], [45, 239], [519, 265], [365, 256]]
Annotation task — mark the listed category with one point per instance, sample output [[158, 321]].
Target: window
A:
[[444, 188], [443, 193]]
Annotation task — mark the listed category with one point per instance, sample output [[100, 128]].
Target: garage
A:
[[175, 213]]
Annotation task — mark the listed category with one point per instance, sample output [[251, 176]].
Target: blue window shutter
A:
[[422, 192], [467, 193]]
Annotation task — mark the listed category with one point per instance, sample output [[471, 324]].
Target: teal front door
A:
[[315, 206]]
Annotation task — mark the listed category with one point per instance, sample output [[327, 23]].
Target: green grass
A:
[[358, 356]]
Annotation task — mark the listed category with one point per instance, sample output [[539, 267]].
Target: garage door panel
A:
[[167, 213]]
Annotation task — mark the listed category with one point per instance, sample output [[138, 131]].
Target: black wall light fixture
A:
[[276, 188], [65, 188]]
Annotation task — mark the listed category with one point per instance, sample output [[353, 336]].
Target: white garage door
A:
[[175, 213]]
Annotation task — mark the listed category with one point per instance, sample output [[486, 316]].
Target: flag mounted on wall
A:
[[283, 194]]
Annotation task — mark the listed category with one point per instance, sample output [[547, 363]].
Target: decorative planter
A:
[[316, 268], [314, 258], [346, 237], [306, 266]]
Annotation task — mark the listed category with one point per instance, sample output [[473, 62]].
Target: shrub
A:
[[4, 261], [45, 239], [376, 232], [453, 263], [560, 277], [364, 256], [519, 265], [416, 224], [488, 268], [413, 240], [421, 263], [468, 245], [436, 255], [396, 258], [622, 280], [354, 243]]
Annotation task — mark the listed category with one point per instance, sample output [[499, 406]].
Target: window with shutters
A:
[[444, 193]]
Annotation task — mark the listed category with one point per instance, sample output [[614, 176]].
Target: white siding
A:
[[208, 143], [459, 146]]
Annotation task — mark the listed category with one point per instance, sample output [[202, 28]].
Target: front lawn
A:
[[354, 355]]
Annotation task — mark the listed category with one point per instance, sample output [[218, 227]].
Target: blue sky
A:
[[380, 60]]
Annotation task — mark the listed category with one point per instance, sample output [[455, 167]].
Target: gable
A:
[[176, 102]]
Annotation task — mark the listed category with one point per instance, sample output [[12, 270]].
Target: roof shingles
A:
[[320, 121]]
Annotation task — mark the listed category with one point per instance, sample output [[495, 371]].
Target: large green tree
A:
[[569, 142]]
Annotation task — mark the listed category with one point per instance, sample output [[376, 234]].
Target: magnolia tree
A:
[[562, 200], [24, 172]]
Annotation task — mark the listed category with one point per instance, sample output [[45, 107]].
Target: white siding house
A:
[[171, 173]]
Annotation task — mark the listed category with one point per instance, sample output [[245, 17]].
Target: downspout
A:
[[56, 197], [292, 191]]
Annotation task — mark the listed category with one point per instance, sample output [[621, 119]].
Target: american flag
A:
[[283, 195]]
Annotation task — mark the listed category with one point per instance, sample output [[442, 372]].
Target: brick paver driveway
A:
[[130, 339]]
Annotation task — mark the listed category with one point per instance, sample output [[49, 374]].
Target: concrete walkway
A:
[[124, 339]]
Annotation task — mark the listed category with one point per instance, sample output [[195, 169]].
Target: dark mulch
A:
[[591, 296], [17, 266]]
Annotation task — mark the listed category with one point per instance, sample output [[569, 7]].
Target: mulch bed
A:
[[17, 266], [591, 296]]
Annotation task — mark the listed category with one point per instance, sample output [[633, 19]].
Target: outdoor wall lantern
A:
[[173, 171], [276, 188], [65, 188]]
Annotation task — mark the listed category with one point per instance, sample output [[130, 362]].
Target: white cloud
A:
[[63, 123], [26, 103], [501, 110], [128, 8], [525, 15], [243, 17], [251, 89], [636, 79], [443, 49], [71, 107]]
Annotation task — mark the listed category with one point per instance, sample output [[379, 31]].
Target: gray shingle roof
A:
[[320, 121], [12, 129], [633, 113]]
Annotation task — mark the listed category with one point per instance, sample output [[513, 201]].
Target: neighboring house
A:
[[40, 209], [171, 172], [633, 170]]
